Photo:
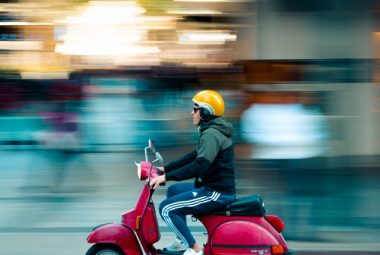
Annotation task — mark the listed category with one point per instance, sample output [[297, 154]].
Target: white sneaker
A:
[[176, 245], [190, 251]]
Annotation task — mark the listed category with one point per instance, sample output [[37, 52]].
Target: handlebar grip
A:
[[162, 184]]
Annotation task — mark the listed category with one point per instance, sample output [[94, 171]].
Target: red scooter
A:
[[241, 228]]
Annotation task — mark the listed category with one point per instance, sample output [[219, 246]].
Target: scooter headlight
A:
[[143, 170], [138, 170]]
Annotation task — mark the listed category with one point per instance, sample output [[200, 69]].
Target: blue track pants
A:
[[184, 199]]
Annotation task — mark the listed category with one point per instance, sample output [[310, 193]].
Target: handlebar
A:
[[145, 169]]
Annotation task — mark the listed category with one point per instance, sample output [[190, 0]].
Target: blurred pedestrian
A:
[[62, 140]]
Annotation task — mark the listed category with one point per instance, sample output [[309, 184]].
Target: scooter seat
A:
[[243, 206]]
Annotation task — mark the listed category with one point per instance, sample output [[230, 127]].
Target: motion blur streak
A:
[[84, 84]]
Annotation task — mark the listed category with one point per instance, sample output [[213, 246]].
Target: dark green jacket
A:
[[212, 163]]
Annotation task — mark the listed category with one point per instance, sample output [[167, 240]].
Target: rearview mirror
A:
[[151, 145], [159, 158]]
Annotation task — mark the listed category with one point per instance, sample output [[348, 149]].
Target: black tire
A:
[[105, 249]]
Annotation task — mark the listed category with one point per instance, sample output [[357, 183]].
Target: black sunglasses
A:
[[196, 108]]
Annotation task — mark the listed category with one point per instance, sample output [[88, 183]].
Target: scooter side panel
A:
[[241, 237], [117, 234]]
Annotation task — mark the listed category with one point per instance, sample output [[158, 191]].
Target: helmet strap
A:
[[205, 115]]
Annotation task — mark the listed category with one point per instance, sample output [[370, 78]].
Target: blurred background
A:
[[84, 84]]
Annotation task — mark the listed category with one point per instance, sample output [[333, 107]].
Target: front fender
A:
[[118, 234]]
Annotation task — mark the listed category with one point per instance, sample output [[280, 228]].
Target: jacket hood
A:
[[220, 124]]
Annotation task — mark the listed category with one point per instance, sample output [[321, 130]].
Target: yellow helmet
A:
[[211, 101]]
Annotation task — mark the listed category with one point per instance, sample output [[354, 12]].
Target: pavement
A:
[[100, 190]]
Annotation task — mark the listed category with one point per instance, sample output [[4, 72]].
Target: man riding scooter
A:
[[211, 163], [234, 226]]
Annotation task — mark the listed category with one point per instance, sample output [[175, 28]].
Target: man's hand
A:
[[153, 183]]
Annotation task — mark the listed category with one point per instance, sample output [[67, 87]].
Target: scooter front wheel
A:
[[104, 249]]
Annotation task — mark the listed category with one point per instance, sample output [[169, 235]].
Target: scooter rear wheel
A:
[[104, 249]]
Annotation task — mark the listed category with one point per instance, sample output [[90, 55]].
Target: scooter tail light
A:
[[278, 249], [276, 222]]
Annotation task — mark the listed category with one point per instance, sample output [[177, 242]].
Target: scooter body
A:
[[234, 235], [138, 229], [241, 228]]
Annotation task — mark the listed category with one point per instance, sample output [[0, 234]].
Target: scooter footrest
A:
[[170, 252]]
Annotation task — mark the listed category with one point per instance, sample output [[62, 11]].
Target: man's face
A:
[[196, 115]]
